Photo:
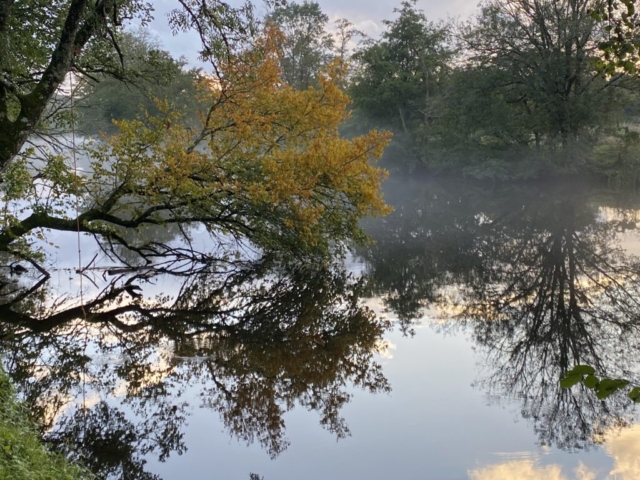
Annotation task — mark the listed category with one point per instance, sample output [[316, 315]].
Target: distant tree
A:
[[538, 61], [400, 76], [307, 46], [152, 74], [345, 35]]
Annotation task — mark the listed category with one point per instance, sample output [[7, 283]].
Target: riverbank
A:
[[22, 454]]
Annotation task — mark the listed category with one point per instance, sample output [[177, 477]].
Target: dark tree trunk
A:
[[78, 29]]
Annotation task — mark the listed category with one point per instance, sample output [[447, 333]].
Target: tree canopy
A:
[[267, 165], [41, 42], [399, 77], [306, 46]]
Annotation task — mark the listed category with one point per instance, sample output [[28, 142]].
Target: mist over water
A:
[[436, 351]]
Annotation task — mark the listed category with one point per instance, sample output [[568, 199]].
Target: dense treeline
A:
[[518, 90], [521, 89], [264, 144]]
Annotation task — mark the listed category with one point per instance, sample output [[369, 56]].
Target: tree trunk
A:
[[404, 124], [10, 142], [78, 29]]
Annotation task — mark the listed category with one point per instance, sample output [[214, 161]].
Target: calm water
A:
[[435, 353]]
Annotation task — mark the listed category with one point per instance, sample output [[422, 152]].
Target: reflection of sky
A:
[[624, 449], [630, 236], [527, 470], [433, 425]]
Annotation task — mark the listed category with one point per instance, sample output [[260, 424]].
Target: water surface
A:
[[433, 353]]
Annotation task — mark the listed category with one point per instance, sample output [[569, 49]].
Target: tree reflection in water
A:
[[255, 341], [537, 275]]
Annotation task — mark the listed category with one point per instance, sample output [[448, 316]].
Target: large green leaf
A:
[[608, 386], [570, 380], [591, 381], [582, 370]]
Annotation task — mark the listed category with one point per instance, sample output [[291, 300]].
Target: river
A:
[[435, 352]]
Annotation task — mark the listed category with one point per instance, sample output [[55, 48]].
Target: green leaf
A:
[[635, 395], [570, 380], [591, 381], [608, 386], [613, 384], [602, 394], [582, 370]]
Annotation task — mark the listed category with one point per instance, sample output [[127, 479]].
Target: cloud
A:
[[583, 473], [385, 348], [522, 470], [625, 449]]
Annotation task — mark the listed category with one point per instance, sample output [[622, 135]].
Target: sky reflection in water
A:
[[471, 304]]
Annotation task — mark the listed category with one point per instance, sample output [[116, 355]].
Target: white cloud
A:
[[522, 470], [385, 348], [625, 449], [583, 473]]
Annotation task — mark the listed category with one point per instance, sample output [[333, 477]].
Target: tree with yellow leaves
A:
[[267, 168]]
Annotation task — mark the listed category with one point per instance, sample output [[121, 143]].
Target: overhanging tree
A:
[[41, 42], [267, 166]]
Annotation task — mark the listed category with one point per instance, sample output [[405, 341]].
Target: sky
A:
[[366, 15]]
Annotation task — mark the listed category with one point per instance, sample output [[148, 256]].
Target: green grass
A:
[[22, 454]]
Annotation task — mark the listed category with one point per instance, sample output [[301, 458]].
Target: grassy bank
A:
[[22, 455]]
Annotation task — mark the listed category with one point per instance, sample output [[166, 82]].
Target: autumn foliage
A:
[[267, 165]]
